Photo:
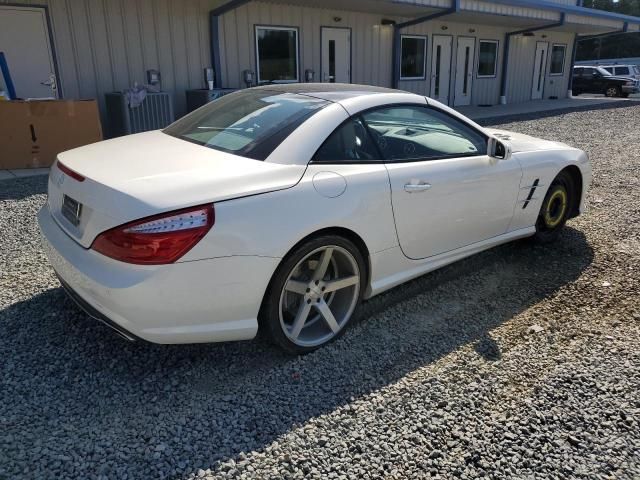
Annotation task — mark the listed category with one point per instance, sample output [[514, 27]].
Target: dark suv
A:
[[598, 80]]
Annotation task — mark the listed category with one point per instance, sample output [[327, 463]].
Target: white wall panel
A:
[[107, 45], [520, 73], [485, 91], [370, 41]]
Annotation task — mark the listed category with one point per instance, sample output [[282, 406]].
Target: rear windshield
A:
[[250, 123]]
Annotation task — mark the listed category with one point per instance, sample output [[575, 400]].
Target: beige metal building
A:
[[458, 51]]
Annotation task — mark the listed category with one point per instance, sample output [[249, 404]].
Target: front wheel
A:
[[314, 294], [555, 209]]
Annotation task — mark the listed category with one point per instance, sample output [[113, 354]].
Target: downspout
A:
[[214, 33], [396, 45], [505, 57], [625, 28]]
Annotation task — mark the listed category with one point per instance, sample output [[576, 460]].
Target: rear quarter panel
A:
[[271, 224]]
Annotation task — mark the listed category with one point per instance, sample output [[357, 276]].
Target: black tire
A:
[[613, 91], [555, 210], [270, 313]]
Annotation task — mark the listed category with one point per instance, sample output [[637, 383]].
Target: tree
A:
[[627, 7]]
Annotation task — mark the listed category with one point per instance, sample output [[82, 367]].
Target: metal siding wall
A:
[[370, 41], [107, 45], [584, 20], [520, 70], [428, 3], [502, 9], [558, 85], [520, 75], [485, 91]]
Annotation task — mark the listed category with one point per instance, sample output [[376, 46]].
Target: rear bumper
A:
[[190, 302], [95, 314]]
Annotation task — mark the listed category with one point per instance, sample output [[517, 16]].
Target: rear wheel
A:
[[613, 91], [555, 209], [314, 294]]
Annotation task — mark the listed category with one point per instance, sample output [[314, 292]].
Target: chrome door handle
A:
[[417, 187]]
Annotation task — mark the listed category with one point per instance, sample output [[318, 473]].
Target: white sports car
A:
[[283, 207]]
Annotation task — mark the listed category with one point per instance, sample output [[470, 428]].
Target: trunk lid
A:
[[132, 177]]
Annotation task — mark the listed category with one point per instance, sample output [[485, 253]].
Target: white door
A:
[[336, 55], [441, 68], [25, 41], [539, 70], [447, 193], [464, 70]]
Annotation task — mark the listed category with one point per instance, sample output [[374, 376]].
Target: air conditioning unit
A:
[[155, 112]]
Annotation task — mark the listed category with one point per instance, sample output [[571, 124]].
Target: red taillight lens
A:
[[156, 240], [75, 175]]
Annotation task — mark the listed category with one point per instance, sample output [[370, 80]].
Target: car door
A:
[[578, 79], [598, 81], [446, 191]]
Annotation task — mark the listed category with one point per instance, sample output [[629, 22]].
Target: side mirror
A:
[[498, 149]]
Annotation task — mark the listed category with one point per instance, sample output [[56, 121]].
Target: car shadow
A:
[[20, 188], [239, 397]]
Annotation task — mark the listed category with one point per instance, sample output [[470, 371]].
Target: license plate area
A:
[[71, 210]]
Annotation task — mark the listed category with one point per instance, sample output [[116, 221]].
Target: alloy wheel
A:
[[319, 296]]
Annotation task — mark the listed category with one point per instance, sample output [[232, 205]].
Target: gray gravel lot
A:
[[521, 362]]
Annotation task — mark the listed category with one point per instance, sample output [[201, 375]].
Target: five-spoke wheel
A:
[[314, 294]]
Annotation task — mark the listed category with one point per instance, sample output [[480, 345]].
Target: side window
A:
[[487, 58], [422, 133], [622, 71], [609, 69], [349, 143]]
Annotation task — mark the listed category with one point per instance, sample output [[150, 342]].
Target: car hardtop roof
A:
[[333, 92]]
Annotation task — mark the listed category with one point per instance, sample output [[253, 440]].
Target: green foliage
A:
[[625, 45], [627, 7]]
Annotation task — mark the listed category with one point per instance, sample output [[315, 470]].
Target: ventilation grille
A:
[[154, 113]]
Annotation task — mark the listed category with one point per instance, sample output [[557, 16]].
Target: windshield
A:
[[603, 71], [251, 123]]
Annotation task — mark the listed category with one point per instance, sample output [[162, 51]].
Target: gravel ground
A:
[[521, 362]]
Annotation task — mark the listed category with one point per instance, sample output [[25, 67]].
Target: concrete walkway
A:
[[475, 113], [536, 106]]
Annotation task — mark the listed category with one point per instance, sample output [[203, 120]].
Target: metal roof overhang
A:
[[531, 13], [512, 13]]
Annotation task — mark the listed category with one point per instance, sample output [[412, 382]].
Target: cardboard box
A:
[[33, 132]]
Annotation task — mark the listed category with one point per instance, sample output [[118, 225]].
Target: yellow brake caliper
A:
[[552, 219]]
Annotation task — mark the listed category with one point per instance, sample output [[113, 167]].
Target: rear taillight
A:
[[156, 240], [73, 174]]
